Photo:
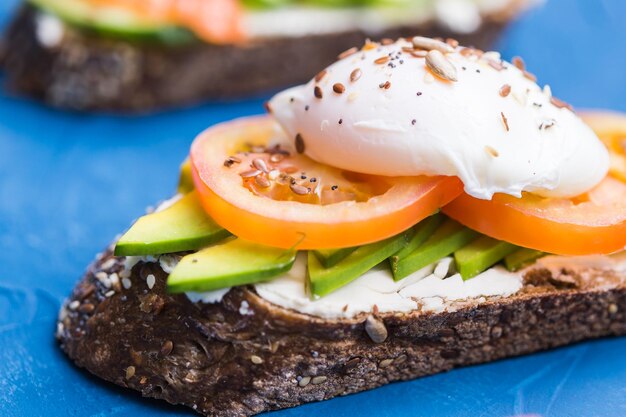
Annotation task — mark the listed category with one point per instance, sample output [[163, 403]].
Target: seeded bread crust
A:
[[244, 355], [87, 72]]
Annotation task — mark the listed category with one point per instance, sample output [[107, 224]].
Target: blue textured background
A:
[[69, 183]]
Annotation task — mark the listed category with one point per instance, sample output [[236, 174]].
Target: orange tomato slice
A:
[[215, 21], [611, 129], [275, 196], [594, 223]]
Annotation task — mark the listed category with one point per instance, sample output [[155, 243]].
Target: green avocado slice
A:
[[185, 181], [448, 238], [331, 257], [322, 281], [521, 258], [113, 21], [183, 226], [422, 231], [235, 262], [481, 254]]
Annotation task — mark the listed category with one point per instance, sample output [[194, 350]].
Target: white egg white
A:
[[398, 119]]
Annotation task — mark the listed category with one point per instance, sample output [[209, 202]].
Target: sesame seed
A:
[[130, 372], [256, 359], [313, 179], [505, 121], [339, 88], [505, 90], [413, 122], [317, 92], [303, 177], [150, 281], [304, 381], [348, 52], [299, 143], [419, 93], [109, 293], [381, 60], [320, 75], [340, 121], [613, 308], [355, 75], [74, 305], [277, 157]]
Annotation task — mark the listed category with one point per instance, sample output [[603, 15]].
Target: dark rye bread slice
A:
[[244, 355], [87, 72]]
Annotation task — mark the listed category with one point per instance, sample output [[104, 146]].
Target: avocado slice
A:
[[448, 238], [480, 254], [422, 231], [521, 258], [235, 262], [331, 257], [322, 281], [181, 227], [185, 181], [114, 21]]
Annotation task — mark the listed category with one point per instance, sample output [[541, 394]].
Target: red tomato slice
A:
[[277, 197], [215, 21], [594, 223]]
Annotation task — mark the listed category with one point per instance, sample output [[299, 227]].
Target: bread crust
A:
[[87, 72], [238, 359]]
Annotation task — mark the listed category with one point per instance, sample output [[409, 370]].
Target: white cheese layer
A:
[[426, 289], [381, 111], [460, 16]]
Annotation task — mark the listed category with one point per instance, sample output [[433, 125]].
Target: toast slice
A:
[[85, 71], [244, 355]]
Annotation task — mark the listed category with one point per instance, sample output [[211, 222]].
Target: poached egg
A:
[[428, 108]]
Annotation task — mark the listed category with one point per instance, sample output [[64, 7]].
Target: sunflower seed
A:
[[440, 65], [260, 164], [299, 189], [250, 173], [375, 329], [318, 380], [262, 181], [304, 381], [430, 44]]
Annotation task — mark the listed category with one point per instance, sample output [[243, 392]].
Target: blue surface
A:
[[69, 183]]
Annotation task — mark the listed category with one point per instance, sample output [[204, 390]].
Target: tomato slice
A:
[[216, 21], [594, 223], [275, 196], [611, 129]]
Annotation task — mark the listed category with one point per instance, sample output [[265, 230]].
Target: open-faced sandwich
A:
[[415, 207], [145, 54]]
